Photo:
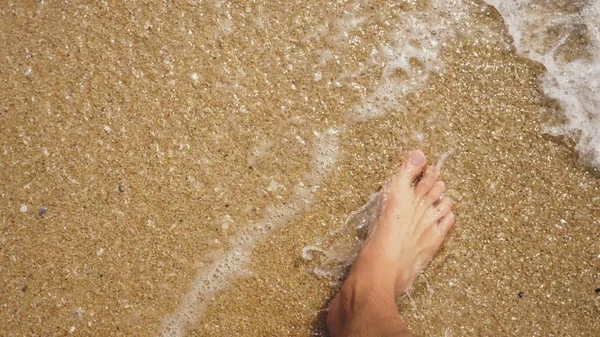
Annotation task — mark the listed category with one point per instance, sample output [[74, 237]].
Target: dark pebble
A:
[[521, 294], [78, 314], [121, 188], [597, 291], [42, 211], [24, 289]]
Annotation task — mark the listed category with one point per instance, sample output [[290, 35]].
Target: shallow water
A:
[[565, 37], [187, 154]]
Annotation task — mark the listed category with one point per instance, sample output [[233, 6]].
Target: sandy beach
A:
[[142, 142]]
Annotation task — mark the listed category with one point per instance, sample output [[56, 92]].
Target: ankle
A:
[[358, 293], [373, 274], [363, 305]]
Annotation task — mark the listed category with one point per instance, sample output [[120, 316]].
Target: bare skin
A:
[[413, 222]]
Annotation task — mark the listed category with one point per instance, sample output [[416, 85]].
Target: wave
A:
[[565, 37]]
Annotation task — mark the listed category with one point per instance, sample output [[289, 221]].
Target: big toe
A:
[[413, 166]]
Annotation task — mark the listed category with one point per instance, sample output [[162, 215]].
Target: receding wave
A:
[[565, 37]]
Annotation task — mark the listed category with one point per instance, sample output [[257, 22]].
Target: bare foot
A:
[[410, 229], [411, 226]]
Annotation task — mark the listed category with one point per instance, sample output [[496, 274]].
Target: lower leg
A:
[[360, 309]]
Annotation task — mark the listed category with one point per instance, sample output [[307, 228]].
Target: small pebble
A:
[[121, 188], [42, 211], [23, 208], [24, 289], [521, 294], [78, 314], [597, 291]]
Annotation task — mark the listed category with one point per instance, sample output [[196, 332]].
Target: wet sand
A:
[[152, 134]]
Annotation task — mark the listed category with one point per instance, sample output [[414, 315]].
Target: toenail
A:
[[417, 157]]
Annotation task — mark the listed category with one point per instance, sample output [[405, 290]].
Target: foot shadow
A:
[[319, 323]]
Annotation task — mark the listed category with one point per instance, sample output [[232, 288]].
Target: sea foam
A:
[[575, 83], [229, 265]]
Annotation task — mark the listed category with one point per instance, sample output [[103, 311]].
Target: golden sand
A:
[[152, 133]]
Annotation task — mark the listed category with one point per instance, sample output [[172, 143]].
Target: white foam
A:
[[576, 84], [325, 154], [229, 265], [442, 160], [412, 55], [307, 252]]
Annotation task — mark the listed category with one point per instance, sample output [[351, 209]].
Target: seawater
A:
[[406, 61], [168, 165], [565, 37]]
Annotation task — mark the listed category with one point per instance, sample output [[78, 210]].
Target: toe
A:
[[446, 223], [435, 193], [440, 210], [441, 230], [411, 169], [429, 179], [443, 208]]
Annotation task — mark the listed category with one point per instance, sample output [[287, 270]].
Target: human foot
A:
[[412, 224]]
